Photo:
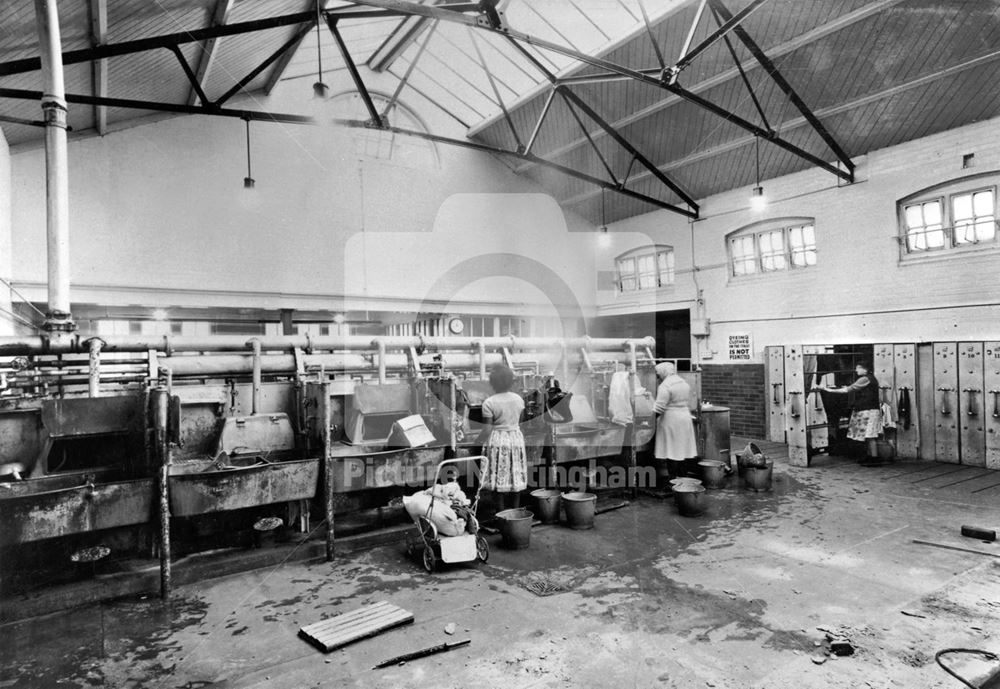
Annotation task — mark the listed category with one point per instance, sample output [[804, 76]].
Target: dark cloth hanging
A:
[[903, 409]]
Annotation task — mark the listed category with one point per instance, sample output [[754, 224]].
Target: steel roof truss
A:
[[71, 57], [652, 37], [256, 115], [192, 77], [541, 119], [466, 143], [583, 128], [743, 76], [724, 29], [220, 16], [99, 68], [520, 40], [772, 70], [409, 71], [375, 118], [496, 91], [252, 74], [611, 131]]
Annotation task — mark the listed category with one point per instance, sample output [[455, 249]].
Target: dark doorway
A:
[[671, 329]]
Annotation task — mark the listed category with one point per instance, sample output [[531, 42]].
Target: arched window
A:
[[771, 246], [956, 215], [410, 151], [648, 267]]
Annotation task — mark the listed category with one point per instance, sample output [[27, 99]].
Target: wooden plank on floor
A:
[[940, 474], [338, 631]]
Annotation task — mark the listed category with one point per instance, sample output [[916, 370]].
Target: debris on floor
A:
[[341, 630], [422, 653]]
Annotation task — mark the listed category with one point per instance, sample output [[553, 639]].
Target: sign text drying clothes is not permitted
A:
[[740, 347]]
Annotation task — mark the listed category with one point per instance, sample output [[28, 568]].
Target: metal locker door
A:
[[946, 433], [991, 397], [907, 434], [817, 423], [795, 399], [886, 374], [775, 382], [970, 407]]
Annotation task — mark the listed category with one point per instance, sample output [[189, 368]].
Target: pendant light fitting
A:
[[320, 90], [248, 181], [757, 200]]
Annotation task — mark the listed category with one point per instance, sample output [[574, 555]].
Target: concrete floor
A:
[[735, 598]]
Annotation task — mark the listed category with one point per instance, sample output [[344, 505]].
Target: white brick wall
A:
[[859, 291]]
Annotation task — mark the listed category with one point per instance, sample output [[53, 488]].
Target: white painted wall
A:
[[859, 291], [6, 324], [159, 216]]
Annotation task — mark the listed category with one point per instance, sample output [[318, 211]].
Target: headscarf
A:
[[665, 369]]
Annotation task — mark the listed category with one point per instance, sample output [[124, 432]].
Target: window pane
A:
[[923, 226], [982, 202], [962, 207], [802, 245], [932, 213], [647, 271], [626, 274], [665, 267], [986, 230], [914, 217], [772, 250], [744, 260]]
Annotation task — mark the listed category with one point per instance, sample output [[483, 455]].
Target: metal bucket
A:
[[690, 499], [546, 504], [580, 510], [713, 473], [515, 527], [758, 478]]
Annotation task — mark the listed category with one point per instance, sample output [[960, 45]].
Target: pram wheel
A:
[[429, 560], [482, 548]]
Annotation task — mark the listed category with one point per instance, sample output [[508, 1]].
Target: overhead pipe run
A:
[[58, 318], [28, 345]]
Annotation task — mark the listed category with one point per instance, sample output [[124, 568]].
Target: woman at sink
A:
[[675, 439], [505, 469]]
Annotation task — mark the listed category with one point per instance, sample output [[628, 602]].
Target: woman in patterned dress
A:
[[505, 469], [866, 416]]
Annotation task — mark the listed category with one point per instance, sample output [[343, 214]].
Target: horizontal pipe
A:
[[235, 364], [19, 346]]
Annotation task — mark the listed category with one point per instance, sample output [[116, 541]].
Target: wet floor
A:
[[742, 596]]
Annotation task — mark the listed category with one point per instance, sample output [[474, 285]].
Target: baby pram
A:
[[464, 547]]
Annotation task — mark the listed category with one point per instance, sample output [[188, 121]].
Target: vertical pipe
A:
[[58, 317], [482, 360], [380, 345], [94, 380], [633, 458], [159, 401], [255, 398], [327, 470]]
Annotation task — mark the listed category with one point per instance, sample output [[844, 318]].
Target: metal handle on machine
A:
[[945, 411], [996, 403], [971, 392], [791, 404], [775, 386]]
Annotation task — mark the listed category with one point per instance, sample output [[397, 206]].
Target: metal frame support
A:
[[611, 131], [376, 119], [790, 92]]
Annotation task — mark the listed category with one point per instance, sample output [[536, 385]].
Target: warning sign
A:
[[740, 347]]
